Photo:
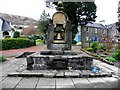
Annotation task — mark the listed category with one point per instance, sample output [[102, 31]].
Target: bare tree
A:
[[30, 30]]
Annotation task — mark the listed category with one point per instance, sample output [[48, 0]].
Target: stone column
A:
[[50, 35]]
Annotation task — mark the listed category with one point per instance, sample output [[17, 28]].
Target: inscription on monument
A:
[[59, 64]]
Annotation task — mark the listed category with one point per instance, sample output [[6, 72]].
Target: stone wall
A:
[[44, 62]]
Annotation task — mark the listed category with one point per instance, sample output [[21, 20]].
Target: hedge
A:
[[16, 43]]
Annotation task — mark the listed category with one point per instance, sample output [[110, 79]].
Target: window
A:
[[5, 33], [87, 29], [96, 30], [87, 38], [104, 31]]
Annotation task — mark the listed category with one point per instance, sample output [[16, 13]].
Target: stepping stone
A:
[[85, 73], [72, 74], [15, 74], [60, 74], [49, 75]]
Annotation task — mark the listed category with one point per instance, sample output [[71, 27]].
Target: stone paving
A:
[[48, 83], [61, 83]]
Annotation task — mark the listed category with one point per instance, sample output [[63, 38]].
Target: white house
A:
[[5, 28]]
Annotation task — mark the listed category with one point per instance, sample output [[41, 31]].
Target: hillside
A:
[[18, 20]]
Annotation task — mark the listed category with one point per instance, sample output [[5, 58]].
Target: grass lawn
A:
[[39, 41]]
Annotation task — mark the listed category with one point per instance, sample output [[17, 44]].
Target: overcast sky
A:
[[106, 9]]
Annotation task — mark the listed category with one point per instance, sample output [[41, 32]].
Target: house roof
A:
[[95, 25], [111, 26], [6, 25]]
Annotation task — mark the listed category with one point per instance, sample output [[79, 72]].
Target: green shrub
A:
[[89, 49], [16, 43], [106, 53], [74, 42], [116, 55], [33, 38], [2, 58], [95, 46], [7, 36], [16, 34], [118, 47], [103, 47], [111, 59], [99, 57], [39, 41]]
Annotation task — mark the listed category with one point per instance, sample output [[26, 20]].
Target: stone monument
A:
[[59, 54], [59, 36]]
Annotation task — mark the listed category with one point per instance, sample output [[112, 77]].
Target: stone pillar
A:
[[68, 35], [50, 35]]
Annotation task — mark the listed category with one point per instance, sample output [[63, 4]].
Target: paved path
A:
[[15, 52], [38, 83]]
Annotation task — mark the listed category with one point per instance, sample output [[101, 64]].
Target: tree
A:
[[42, 24], [30, 30], [118, 23], [44, 16], [16, 34], [80, 13], [118, 26], [42, 27]]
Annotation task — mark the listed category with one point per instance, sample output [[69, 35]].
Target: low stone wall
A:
[[45, 62]]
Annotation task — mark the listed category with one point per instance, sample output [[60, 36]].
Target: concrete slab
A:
[[110, 79], [46, 82], [2, 78], [60, 73], [9, 63], [72, 74], [27, 83], [96, 82], [49, 74], [112, 82], [65, 87], [63, 81], [81, 83], [11, 82], [46, 88]]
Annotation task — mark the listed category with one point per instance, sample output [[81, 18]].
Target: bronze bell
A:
[[59, 36]]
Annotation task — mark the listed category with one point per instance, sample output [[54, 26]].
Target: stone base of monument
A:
[[59, 60], [59, 73]]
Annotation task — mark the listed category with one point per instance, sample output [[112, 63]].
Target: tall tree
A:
[[42, 23], [118, 23]]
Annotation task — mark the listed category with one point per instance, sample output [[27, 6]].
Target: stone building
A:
[[91, 32], [113, 32], [5, 28]]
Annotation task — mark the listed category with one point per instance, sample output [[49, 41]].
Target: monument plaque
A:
[[59, 64]]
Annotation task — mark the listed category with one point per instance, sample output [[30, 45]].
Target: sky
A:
[[106, 9]]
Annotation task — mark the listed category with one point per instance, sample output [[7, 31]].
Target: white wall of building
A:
[[1, 34]]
